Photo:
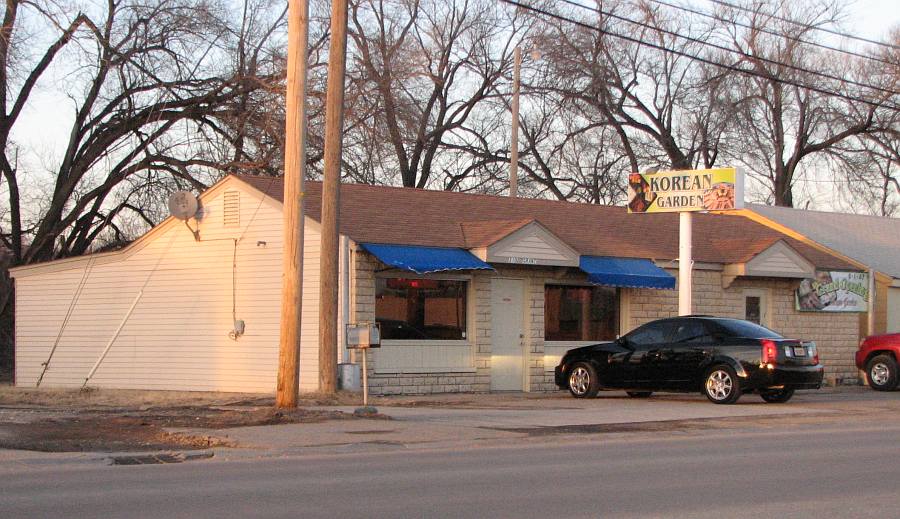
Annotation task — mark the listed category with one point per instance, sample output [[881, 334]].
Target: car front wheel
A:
[[777, 396], [882, 373], [583, 382], [721, 385]]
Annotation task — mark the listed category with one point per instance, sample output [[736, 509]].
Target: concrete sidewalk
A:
[[454, 420], [470, 420]]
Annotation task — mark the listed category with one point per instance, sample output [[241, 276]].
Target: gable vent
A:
[[232, 211]]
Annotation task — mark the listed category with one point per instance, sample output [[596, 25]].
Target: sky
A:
[[43, 126], [873, 18]]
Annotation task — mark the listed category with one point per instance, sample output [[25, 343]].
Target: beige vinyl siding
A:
[[779, 262], [309, 328], [532, 247], [893, 310], [177, 336]]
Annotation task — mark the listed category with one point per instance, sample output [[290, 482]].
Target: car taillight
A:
[[814, 353], [769, 352]]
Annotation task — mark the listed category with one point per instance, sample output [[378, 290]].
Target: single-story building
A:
[[473, 292], [871, 241]]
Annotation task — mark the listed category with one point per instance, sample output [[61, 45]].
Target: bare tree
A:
[[149, 82], [147, 73], [247, 135], [872, 160], [662, 105], [782, 124], [426, 67], [868, 174]]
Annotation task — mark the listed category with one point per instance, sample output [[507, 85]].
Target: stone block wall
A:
[[835, 334], [362, 296], [481, 283]]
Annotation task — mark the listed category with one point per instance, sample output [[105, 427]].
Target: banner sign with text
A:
[[688, 190], [834, 292]]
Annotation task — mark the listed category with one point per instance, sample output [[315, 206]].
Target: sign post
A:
[[685, 264], [684, 192], [362, 336]]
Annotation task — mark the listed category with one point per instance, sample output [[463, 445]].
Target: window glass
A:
[[650, 333], [690, 331], [420, 308], [752, 312], [573, 313], [738, 328]]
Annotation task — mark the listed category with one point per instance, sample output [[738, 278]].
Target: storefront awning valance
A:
[[626, 272], [423, 260]]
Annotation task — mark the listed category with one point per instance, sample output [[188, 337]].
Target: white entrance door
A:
[[507, 336]]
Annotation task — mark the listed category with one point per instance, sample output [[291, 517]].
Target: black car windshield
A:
[[747, 329]]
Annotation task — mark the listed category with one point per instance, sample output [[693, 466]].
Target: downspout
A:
[[344, 302], [871, 316]]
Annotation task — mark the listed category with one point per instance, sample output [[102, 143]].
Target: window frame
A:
[[469, 306], [621, 305], [764, 313]]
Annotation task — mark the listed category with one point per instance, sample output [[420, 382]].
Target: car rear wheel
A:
[[882, 373], [777, 396], [721, 385], [639, 394], [583, 382]]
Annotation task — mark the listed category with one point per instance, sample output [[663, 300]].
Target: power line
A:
[[806, 25], [709, 61], [700, 59], [773, 33], [728, 49]]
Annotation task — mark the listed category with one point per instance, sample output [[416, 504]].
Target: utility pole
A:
[[331, 199], [514, 146], [294, 171]]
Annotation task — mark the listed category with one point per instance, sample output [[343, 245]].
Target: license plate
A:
[[799, 351]]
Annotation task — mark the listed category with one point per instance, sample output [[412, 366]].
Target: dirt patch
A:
[[122, 430], [108, 421], [91, 397], [104, 435], [94, 397]]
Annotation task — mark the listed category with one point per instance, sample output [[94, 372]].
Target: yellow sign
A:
[[687, 190]]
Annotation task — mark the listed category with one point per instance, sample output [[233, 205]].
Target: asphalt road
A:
[[845, 470]]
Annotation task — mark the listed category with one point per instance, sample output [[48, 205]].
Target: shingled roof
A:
[[407, 216], [871, 240]]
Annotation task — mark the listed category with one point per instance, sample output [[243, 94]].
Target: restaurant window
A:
[[573, 313], [420, 309]]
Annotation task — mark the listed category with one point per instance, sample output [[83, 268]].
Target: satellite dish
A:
[[183, 205]]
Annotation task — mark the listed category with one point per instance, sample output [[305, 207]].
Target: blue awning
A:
[[423, 260], [626, 272]]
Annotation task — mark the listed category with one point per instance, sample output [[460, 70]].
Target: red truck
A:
[[878, 355]]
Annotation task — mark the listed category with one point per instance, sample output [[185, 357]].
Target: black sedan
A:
[[720, 357]]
